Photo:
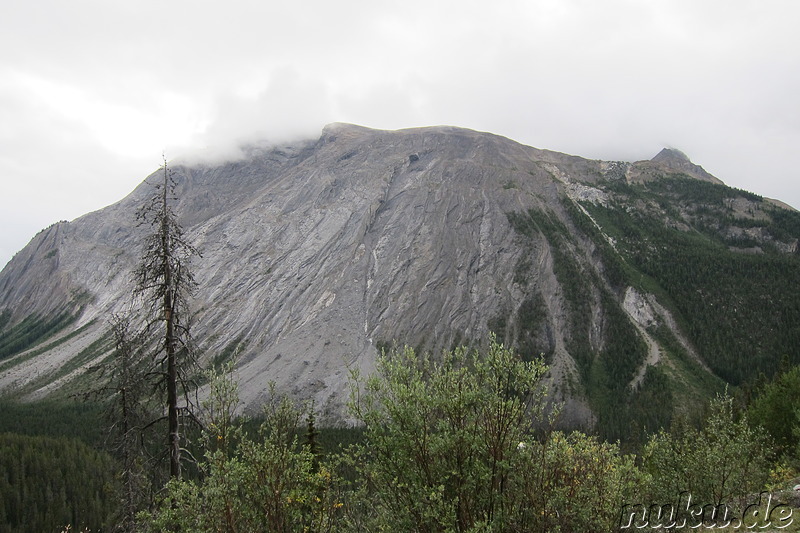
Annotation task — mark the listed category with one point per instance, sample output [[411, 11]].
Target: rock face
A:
[[315, 254], [312, 253], [669, 160]]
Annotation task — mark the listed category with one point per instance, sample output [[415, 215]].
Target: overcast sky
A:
[[92, 91]]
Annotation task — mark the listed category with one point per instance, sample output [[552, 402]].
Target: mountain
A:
[[646, 285]]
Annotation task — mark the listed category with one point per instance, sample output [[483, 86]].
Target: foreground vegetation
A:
[[461, 442]]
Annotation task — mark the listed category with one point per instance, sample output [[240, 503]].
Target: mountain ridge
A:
[[317, 253]]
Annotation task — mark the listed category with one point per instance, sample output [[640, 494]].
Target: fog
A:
[[92, 93]]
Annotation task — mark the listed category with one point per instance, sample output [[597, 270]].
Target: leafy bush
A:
[[574, 483], [272, 483], [451, 447], [441, 437], [720, 464], [453, 444]]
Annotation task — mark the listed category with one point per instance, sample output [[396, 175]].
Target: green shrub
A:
[[721, 464], [271, 483], [451, 446], [441, 437], [574, 483]]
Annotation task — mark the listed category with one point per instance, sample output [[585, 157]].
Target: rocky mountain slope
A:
[[314, 255]]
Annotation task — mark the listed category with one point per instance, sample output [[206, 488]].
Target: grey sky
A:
[[92, 91]]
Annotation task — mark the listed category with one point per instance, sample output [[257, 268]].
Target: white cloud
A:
[[91, 91], [290, 106]]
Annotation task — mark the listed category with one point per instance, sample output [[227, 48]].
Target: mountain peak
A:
[[318, 253], [668, 155], [672, 160]]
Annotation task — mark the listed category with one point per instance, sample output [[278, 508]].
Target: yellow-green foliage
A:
[[573, 482], [270, 483], [453, 444], [451, 447], [722, 463]]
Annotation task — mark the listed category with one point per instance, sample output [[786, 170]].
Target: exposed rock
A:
[[313, 254], [584, 193], [668, 160], [638, 308]]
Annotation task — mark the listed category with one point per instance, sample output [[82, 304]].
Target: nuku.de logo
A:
[[764, 512]]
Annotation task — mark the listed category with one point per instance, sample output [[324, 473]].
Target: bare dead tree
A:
[[164, 281], [122, 391], [128, 414]]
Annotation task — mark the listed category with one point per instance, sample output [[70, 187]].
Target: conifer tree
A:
[[312, 434], [126, 411]]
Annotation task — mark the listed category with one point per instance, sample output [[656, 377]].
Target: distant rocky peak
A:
[[673, 161], [671, 156]]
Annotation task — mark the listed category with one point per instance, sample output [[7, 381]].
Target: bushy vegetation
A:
[[267, 483], [442, 437], [457, 443], [454, 443], [722, 462], [776, 409]]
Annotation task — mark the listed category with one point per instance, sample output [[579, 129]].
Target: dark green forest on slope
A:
[[724, 262], [734, 292]]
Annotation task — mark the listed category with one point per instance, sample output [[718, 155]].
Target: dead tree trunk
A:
[[165, 281]]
